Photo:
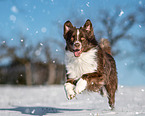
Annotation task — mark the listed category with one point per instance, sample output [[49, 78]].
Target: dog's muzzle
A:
[[77, 48]]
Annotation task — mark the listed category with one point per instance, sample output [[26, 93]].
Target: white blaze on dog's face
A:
[[79, 40], [77, 45]]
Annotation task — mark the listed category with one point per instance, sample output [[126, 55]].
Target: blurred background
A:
[[32, 44]]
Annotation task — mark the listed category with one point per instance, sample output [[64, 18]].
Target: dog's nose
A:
[[77, 45]]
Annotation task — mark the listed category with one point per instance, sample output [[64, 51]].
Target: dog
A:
[[89, 64]]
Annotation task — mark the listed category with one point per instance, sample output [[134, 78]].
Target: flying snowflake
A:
[[82, 11], [43, 29], [41, 44], [14, 9], [36, 32], [121, 13], [140, 2], [13, 18], [3, 42], [88, 4]]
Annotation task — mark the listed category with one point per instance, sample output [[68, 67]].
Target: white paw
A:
[[69, 88], [104, 92], [81, 86]]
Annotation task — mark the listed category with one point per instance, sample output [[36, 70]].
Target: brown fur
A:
[[106, 75], [105, 45]]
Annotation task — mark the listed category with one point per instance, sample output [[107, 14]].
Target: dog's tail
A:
[[105, 45]]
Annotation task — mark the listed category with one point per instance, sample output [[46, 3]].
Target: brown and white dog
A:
[[89, 64]]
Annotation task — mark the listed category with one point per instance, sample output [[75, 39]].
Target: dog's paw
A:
[[69, 89], [70, 95], [81, 86]]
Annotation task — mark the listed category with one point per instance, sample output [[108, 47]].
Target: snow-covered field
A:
[[51, 100]]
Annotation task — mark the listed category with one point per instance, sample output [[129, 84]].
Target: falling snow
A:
[[14, 9], [125, 64], [140, 2], [139, 26], [36, 32], [3, 42], [43, 29], [82, 11], [34, 7], [88, 4], [121, 13], [13, 18], [38, 52], [41, 44]]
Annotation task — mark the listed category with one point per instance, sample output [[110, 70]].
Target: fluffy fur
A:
[[89, 64], [77, 66]]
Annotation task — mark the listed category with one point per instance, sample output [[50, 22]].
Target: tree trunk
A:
[[52, 73], [28, 73]]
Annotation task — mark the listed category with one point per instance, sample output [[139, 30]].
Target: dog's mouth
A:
[[77, 52]]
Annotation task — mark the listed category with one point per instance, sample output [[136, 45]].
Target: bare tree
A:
[[24, 58], [111, 23]]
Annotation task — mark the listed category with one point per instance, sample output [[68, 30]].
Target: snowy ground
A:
[[51, 100]]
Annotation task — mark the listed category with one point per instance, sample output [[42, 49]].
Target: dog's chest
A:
[[77, 66]]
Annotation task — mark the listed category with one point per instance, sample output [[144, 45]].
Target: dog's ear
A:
[[88, 27], [67, 26]]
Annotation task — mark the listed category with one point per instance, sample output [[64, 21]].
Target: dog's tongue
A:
[[77, 53]]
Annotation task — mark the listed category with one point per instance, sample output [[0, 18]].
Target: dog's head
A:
[[79, 40]]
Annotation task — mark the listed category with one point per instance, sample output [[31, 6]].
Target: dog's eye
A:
[[72, 39], [82, 38]]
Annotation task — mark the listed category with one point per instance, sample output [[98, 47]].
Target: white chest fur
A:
[[77, 66]]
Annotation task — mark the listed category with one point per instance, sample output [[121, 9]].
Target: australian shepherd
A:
[[89, 64]]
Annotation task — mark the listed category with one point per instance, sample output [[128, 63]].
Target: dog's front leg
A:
[[69, 88], [81, 85], [89, 81]]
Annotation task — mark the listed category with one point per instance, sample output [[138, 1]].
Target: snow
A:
[[82, 11], [43, 29], [36, 32], [88, 4], [13, 18], [51, 100], [139, 26], [121, 13], [140, 2], [41, 44], [14, 9], [3, 42]]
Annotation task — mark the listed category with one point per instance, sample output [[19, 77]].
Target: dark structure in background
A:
[[32, 74], [27, 67]]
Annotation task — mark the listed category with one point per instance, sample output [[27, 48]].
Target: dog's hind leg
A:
[[103, 92], [111, 89]]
